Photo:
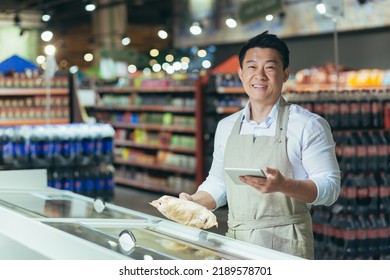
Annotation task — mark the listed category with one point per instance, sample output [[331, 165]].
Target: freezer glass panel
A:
[[60, 206], [150, 242]]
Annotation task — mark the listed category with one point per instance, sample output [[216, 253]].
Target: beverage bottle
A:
[[350, 240], [373, 193], [377, 111], [372, 151], [4, 140], [384, 193], [354, 110], [20, 154], [77, 182], [332, 109], [349, 193], [382, 149], [362, 198], [384, 237], [361, 235], [67, 152], [109, 183], [7, 148], [56, 179], [365, 110], [88, 182], [66, 179], [349, 153], [361, 142], [40, 147], [373, 236], [344, 111], [108, 134]]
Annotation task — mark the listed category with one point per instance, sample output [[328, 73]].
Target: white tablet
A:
[[234, 173]]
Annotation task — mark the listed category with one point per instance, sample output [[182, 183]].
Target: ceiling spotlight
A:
[[231, 23], [269, 17], [47, 36], [90, 6], [162, 34], [196, 29], [321, 9], [125, 40], [45, 16]]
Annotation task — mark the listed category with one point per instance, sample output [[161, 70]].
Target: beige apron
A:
[[272, 220]]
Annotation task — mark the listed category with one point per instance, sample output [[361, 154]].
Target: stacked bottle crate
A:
[[78, 157], [357, 226]]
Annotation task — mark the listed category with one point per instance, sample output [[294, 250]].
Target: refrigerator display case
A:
[[39, 222]]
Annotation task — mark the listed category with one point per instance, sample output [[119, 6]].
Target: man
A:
[[293, 146]]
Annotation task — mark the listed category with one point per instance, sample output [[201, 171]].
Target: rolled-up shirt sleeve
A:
[[215, 183], [319, 160]]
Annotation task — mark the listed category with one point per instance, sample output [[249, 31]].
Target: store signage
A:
[[255, 9]]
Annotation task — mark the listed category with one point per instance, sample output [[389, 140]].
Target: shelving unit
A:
[[158, 140], [28, 106], [357, 226]]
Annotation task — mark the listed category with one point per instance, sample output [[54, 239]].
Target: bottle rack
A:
[[78, 157], [357, 226], [157, 135], [24, 101]]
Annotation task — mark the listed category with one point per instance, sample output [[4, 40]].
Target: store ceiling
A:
[[150, 12], [71, 23]]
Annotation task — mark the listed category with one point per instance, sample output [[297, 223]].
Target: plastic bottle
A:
[[40, 147], [77, 182], [20, 155]]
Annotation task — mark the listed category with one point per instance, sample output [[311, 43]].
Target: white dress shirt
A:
[[310, 148]]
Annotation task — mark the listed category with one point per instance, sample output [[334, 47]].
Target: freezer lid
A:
[[55, 204]]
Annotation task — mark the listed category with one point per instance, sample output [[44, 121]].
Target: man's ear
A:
[[286, 74], [239, 71]]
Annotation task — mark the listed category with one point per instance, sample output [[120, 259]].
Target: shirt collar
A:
[[268, 120]]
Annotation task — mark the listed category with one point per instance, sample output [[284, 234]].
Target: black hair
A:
[[265, 40]]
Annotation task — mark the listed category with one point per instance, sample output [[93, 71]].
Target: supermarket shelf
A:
[[145, 185], [127, 143], [157, 127], [32, 91], [230, 90], [172, 89], [33, 122], [155, 166], [146, 108], [227, 110]]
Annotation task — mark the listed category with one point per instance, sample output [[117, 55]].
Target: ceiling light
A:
[[196, 29], [88, 57], [154, 52], [90, 6], [321, 8], [50, 50], [206, 64], [231, 23], [73, 69], [169, 58], [45, 16], [47, 36], [132, 68], [269, 17], [126, 40], [162, 34]]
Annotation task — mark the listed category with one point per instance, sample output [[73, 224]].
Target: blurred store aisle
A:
[[138, 200]]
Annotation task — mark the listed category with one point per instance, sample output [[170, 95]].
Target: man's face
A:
[[262, 75]]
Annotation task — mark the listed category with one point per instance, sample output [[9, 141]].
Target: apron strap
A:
[[266, 222]]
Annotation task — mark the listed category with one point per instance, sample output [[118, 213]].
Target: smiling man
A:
[[293, 146]]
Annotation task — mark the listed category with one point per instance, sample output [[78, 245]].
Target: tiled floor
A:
[[138, 200]]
